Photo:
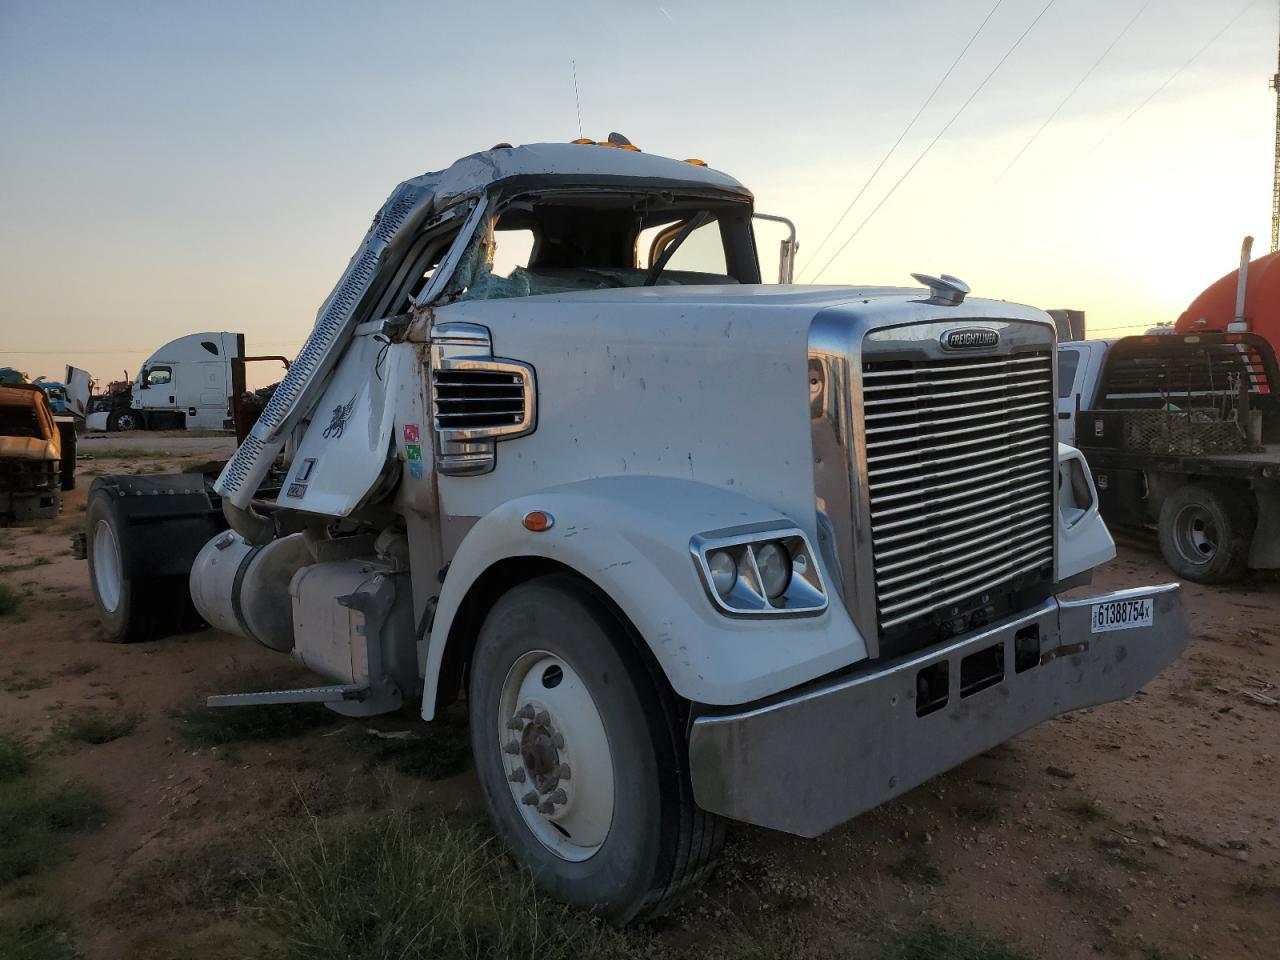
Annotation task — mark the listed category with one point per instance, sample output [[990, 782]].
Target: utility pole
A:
[[1275, 183]]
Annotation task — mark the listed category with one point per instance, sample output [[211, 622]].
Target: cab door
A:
[[1073, 363], [159, 386]]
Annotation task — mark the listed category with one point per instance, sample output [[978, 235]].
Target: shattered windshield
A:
[[570, 243]]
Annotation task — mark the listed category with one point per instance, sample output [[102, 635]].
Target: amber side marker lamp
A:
[[537, 521]]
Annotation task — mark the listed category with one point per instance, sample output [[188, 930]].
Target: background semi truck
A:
[[186, 384], [695, 548]]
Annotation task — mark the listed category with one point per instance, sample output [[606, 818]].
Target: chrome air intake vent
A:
[[476, 399], [471, 398], [960, 462]]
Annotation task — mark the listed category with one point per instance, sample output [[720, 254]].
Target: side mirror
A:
[[786, 250], [142, 379]]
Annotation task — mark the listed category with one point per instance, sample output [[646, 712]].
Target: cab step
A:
[[335, 694]]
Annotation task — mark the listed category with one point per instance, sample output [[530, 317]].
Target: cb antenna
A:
[[576, 102]]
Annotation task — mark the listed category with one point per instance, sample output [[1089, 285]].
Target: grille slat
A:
[[963, 509], [951, 367], [944, 421], [1037, 372], [1022, 394], [1035, 428], [1000, 513], [944, 562], [1000, 576], [929, 437], [960, 473], [1014, 460], [476, 399], [938, 548], [984, 452]]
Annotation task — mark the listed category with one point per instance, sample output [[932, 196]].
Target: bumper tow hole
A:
[[1026, 648], [932, 688], [981, 670]]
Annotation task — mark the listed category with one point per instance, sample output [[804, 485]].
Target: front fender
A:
[[1083, 539], [630, 537]]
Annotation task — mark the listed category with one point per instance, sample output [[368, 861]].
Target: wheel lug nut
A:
[[512, 747], [542, 717], [530, 798], [546, 807], [515, 723], [557, 797], [516, 775], [557, 741], [563, 771], [525, 712]]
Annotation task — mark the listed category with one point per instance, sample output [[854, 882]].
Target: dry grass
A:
[[98, 726], [10, 601], [35, 931], [38, 818]]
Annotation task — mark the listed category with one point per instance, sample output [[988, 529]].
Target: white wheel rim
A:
[[555, 755], [106, 566]]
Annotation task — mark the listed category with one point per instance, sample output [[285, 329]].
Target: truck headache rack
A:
[[1195, 395], [1197, 371]]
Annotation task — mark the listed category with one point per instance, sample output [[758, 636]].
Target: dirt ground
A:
[[1143, 829]]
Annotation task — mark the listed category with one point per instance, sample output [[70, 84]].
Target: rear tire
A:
[[1205, 531], [131, 609], [557, 681]]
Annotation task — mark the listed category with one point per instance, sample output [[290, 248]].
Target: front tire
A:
[[122, 420], [581, 757], [1205, 532]]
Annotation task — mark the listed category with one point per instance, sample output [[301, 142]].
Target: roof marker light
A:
[[697, 163]]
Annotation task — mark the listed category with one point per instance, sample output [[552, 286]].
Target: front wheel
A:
[[1205, 532], [580, 754], [123, 420]]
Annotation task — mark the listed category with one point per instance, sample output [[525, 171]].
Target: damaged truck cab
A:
[[694, 548]]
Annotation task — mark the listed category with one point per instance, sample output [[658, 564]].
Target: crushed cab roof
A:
[[585, 162]]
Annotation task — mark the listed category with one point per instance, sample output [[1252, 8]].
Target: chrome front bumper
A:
[[819, 756]]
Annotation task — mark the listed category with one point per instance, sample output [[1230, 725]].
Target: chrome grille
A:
[[960, 479]]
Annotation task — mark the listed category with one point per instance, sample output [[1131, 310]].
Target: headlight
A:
[[775, 569], [769, 572], [724, 571]]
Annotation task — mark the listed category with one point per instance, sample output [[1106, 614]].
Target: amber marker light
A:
[[697, 163], [537, 521]]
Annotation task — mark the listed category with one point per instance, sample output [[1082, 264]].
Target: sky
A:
[[171, 167]]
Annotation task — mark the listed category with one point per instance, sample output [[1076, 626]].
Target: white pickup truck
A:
[[695, 548], [1182, 432]]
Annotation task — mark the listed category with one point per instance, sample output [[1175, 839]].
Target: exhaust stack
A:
[[1240, 324]]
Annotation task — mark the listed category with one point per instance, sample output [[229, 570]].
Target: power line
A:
[[954, 117], [905, 130], [1173, 76], [1079, 83]]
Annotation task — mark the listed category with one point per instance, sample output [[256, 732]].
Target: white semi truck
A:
[[186, 384], [694, 548]]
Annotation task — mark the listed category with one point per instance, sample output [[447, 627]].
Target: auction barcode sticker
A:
[[1123, 615]]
